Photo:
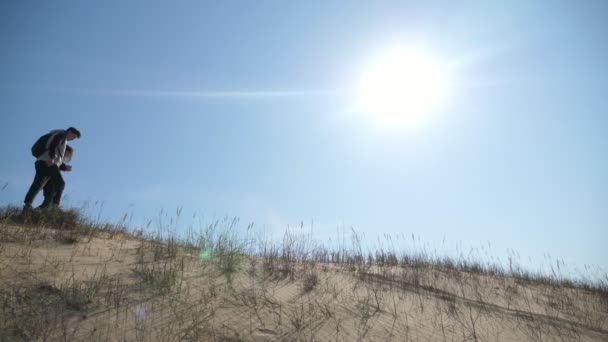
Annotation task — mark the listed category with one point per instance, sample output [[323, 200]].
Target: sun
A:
[[400, 89]]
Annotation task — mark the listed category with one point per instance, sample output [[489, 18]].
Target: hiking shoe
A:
[[49, 208], [27, 209]]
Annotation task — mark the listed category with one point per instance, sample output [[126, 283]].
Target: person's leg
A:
[[53, 188], [49, 191], [59, 185], [41, 173]]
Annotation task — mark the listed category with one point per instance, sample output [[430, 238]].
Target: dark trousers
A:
[[49, 178]]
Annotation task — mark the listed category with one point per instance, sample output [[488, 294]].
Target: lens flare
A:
[[206, 254]]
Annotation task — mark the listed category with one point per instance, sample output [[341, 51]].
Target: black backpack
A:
[[40, 145]]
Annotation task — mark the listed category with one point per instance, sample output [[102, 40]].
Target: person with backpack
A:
[[49, 151]]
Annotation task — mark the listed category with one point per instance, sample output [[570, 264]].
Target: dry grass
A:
[[65, 278]]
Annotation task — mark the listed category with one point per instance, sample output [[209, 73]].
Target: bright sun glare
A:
[[400, 89]]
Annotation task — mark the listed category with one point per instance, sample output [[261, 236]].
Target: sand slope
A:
[[116, 287]]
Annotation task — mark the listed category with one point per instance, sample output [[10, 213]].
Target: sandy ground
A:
[[115, 287]]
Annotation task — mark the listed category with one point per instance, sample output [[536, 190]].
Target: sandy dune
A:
[[106, 286]]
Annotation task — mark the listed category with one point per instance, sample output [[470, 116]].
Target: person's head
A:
[[72, 133]]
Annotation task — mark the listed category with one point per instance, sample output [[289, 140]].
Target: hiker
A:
[[53, 188], [50, 151]]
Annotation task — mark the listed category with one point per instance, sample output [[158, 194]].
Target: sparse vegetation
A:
[[311, 279], [64, 277]]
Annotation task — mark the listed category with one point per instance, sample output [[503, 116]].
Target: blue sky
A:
[[242, 109]]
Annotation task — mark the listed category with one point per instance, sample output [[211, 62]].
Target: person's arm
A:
[[57, 139], [65, 167]]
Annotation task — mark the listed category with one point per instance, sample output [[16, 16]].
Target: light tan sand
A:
[[105, 288]]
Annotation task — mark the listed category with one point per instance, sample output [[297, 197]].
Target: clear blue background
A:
[[240, 109]]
